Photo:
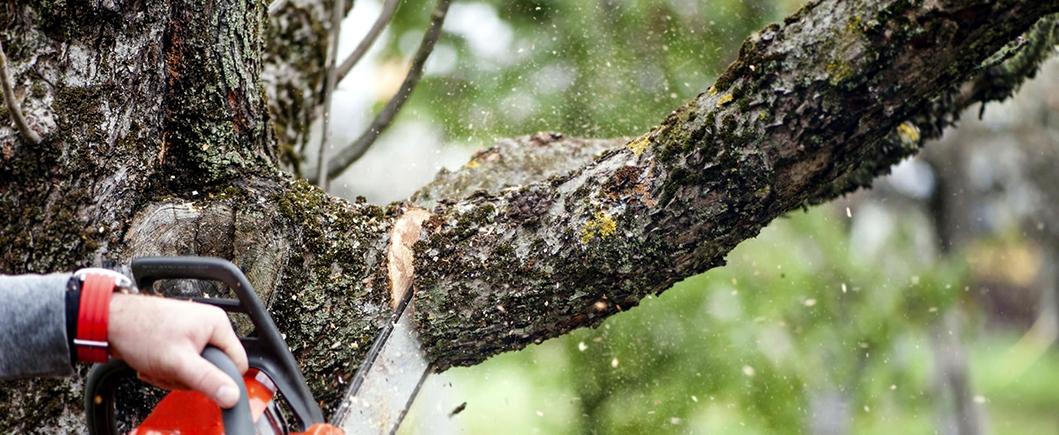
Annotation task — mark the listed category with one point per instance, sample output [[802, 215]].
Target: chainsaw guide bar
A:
[[385, 385]]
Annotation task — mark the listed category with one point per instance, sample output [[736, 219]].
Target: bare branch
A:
[[275, 6], [388, 9], [336, 30], [805, 102], [357, 149], [12, 106]]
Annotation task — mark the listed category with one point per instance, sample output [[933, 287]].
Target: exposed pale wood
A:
[[400, 256], [161, 139]]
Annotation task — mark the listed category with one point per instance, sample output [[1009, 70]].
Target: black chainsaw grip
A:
[[267, 351], [102, 384], [236, 419], [101, 387]]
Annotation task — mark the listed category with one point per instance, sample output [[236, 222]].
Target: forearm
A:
[[33, 339]]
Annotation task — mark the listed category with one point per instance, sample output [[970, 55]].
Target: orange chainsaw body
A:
[[191, 413], [273, 370]]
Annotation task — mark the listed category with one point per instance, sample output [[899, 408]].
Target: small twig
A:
[[357, 149], [275, 6], [12, 106], [336, 30], [388, 9]]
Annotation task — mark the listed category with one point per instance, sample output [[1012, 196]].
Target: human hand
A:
[[162, 339]]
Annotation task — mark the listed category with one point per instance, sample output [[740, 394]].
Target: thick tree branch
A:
[[805, 104], [508, 257], [994, 80]]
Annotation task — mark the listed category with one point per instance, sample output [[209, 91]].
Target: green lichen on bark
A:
[[995, 79], [508, 264], [297, 40], [719, 173], [510, 290], [216, 120], [334, 298]]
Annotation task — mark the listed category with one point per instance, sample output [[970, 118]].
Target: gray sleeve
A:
[[33, 326]]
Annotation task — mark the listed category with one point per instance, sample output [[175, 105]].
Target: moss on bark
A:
[[171, 130]]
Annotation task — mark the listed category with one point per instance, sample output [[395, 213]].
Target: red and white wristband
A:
[[96, 286]]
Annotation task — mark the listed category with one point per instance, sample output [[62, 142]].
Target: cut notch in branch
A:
[[401, 257], [12, 106]]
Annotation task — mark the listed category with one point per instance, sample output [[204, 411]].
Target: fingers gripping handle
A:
[[267, 351], [237, 418], [102, 385]]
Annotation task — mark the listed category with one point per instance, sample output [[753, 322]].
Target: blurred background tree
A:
[[926, 305]]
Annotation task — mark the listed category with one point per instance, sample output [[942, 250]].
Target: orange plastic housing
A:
[[191, 413]]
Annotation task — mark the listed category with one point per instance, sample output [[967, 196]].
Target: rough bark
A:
[[804, 105], [157, 141]]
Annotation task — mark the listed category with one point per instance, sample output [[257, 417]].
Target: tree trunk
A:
[[158, 141]]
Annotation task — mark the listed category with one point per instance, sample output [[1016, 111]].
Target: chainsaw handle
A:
[[102, 386], [237, 418], [101, 389], [147, 270], [268, 351]]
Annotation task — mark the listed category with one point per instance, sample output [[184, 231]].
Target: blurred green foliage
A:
[[601, 68], [802, 322], [797, 314]]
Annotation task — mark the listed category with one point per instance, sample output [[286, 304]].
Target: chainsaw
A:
[[375, 403]]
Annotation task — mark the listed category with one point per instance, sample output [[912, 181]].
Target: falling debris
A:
[[810, 302], [458, 409], [849, 213], [614, 362], [582, 346], [748, 371]]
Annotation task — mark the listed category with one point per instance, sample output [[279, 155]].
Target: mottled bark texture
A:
[[810, 110], [294, 71], [157, 139]]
